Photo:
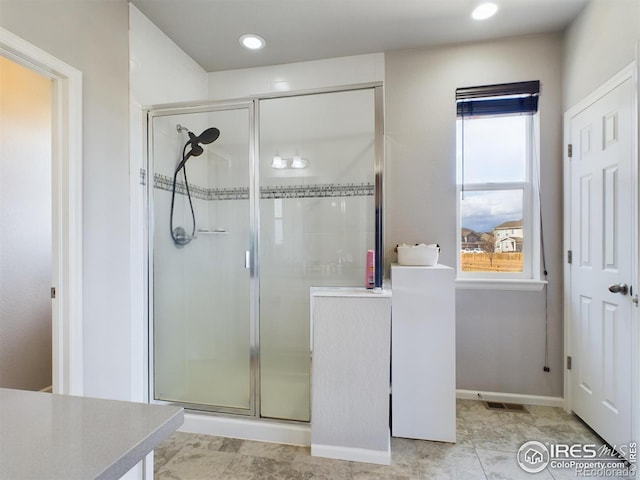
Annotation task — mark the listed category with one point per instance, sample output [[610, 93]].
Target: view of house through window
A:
[[495, 192]]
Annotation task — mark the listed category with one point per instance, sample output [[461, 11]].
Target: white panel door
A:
[[601, 270]]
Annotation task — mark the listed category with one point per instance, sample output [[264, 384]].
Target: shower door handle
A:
[[247, 259]]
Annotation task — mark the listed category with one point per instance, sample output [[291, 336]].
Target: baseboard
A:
[[300, 434], [351, 454], [48, 389], [248, 429], [511, 398]]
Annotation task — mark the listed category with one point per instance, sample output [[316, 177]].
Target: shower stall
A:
[[276, 195]]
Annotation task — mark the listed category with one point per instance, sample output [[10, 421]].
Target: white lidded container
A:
[[419, 254]]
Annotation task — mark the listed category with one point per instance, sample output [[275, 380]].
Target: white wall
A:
[[25, 227], [92, 37], [599, 43], [296, 76], [500, 335], [160, 73]]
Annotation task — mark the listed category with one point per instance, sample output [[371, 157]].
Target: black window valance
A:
[[501, 99]]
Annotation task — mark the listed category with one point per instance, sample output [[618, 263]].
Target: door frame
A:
[[150, 113], [66, 183], [630, 72]]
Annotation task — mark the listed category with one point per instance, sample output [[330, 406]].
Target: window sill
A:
[[500, 284]]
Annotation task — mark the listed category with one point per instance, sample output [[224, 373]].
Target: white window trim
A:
[[514, 284], [531, 278]]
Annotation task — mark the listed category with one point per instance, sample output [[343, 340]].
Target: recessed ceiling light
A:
[[484, 11], [252, 41]]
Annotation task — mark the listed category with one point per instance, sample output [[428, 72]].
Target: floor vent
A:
[[505, 407]]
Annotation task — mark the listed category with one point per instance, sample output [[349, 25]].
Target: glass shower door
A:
[[317, 221], [202, 286]]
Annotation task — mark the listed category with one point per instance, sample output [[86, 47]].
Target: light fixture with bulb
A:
[[252, 41], [295, 163], [484, 11], [299, 162], [278, 162]]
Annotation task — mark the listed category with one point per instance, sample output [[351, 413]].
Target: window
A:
[[497, 149]]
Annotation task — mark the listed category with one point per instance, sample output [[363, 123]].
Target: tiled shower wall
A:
[[310, 236]]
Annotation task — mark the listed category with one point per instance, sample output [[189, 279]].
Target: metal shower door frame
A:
[[254, 286], [379, 188], [252, 104]]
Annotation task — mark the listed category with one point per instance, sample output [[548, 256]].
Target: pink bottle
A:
[[370, 277]]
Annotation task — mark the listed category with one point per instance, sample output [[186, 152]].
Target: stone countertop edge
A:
[[52, 436], [121, 466]]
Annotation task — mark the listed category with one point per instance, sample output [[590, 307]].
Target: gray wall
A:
[[599, 43], [93, 37], [500, 334]]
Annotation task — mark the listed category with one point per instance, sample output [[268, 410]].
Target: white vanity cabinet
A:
[[423, 353]]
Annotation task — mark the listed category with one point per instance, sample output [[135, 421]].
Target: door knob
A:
[[619, 288]]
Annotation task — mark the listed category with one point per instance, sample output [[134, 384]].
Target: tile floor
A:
[[487, 442]]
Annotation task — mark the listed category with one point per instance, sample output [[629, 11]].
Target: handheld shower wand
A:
[[210, 135]]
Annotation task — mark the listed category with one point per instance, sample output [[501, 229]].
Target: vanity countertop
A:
[[48, 436], [349, 292]]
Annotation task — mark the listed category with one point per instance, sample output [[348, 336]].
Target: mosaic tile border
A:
[[163, 182]]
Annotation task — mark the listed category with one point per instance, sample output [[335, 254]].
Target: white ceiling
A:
[[300, 30]]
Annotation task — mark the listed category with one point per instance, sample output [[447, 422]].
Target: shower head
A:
[[196, 150], [210, 135]]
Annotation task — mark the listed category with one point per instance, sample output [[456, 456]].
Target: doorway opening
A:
[[25, 228], [601, 234], [65, 289]]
